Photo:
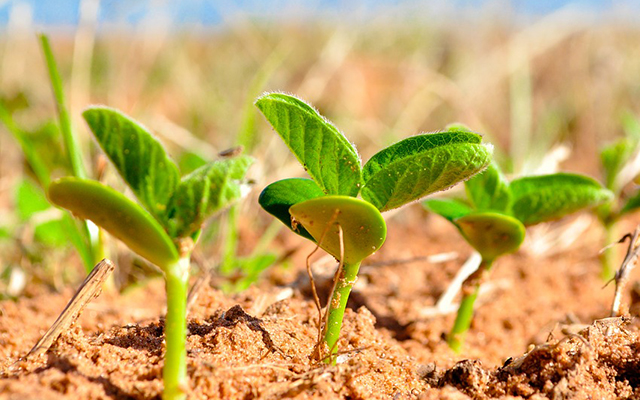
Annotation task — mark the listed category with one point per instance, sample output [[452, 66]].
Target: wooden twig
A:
[[622, 275], [90, 289]]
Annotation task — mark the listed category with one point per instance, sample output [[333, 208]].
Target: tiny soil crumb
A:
[[540, 332]]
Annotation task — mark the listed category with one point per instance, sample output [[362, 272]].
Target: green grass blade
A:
[[632, 204], [447, 208], [75, 233], [277, 199], [28, 149], [542, 198], [118, 215], [138, 156], [613, 158], [204, 191], [70, 140], [489, 190], [420, 165], [324, 152]]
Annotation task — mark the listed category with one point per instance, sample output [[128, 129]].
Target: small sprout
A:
[[620, 165], [165, 226], [494, 223], [325, 209]]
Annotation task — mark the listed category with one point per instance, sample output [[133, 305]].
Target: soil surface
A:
[[540, 331]]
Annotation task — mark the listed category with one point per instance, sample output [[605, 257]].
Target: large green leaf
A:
[[632, 204], [363, 227], [137, 155], [204, 191], [491, 234], [279, 196], [447, 208], [489, 190], [116, 214], [613, 157], [323, 151], [422, 164], [542, 198]]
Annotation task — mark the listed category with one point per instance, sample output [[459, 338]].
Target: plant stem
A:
[[338, 303], [174, 373], [231, 241], [608, 256], [470, 290], [70, 140]]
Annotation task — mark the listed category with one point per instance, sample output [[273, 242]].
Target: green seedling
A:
[[164, 227], [494, 220], [617, 163], [326, 210]]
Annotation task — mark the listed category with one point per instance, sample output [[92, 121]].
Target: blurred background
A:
[[547, 82]]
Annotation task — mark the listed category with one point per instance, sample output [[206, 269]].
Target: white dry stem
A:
[[549, 240], [445, 304]]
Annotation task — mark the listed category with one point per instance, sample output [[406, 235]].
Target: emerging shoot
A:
[[325, 209], [494, 221], [165, 226]]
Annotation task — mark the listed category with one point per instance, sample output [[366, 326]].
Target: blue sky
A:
[[213, 12]]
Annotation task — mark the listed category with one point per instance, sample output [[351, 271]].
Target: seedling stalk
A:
[[174, 373], [470, 290], [346, 279]]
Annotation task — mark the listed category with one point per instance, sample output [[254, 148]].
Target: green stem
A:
[[338, 303], [465, 311], [70, 141], [608, 257], [231, 242], [174, 372]]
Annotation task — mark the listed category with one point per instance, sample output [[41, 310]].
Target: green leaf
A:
[[137, 155], [364, 229], [116, 214], [278, 197], [204, 191], [489, 190], [251, 268], [422, 164], [51, 233], [322, 150], [491, 234], [542, 198], [30, 199], [447, 208], [613, 157], [632, 204]]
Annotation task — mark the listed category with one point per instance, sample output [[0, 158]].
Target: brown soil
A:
[[258, 344]]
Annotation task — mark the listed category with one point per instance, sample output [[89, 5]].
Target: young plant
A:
[[494, 221], [325, 209], [619, 162], [164, 227]]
